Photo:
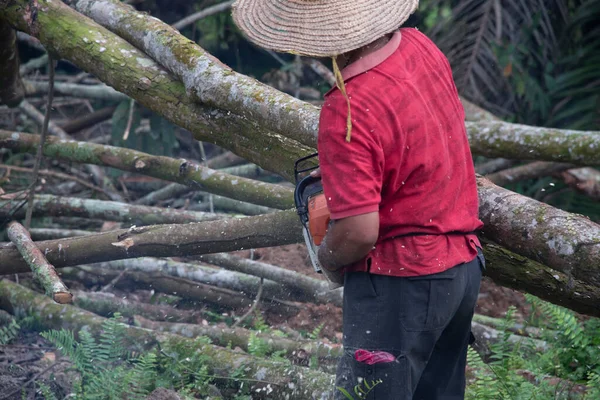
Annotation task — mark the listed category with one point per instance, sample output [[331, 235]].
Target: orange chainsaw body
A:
[[318, 218]]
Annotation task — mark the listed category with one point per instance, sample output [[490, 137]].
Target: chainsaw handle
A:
[[301, 207]]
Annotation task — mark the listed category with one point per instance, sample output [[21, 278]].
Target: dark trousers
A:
[[424, 322]]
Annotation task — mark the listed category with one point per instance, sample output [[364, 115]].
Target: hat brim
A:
[[319, 28]]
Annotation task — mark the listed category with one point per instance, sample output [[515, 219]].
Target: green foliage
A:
[[361, 390], [516, 371], [9, 332], [108, 371], [258, 347]]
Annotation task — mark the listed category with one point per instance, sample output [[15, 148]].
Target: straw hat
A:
[[319, 28]]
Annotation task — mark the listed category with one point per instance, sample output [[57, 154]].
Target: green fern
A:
[[257, 347], [10, 332], [314, 335]]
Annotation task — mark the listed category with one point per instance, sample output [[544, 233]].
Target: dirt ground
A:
[[24, 363]]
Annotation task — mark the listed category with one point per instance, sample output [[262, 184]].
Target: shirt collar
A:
[[371, 60]]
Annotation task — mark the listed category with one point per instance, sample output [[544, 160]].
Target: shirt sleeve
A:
[[352, 172]]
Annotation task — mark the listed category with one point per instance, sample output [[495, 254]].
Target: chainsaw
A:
[[311, 207]]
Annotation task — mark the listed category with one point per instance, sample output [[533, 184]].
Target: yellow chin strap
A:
[[339, 81]]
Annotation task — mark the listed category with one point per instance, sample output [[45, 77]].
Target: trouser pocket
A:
[[383, 381]]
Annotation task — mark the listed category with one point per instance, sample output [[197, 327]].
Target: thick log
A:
[[287, 381], [122, 66], [223, 335], [520, 273], [107, 304], [528, 171], [206, 79], [49, 205], [42, 270], [215, 84], [171, 169], [275, 229], [566, 242], [524, 142], [11, 86]]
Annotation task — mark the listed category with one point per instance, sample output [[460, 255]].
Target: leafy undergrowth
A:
[[568, 369], [103, 368]]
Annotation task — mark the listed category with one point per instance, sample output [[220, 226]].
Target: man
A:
[[400, 185]]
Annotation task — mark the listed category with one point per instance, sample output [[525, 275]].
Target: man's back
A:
[[408, 117]]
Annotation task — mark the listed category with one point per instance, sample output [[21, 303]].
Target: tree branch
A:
[[48, 205], [42, 270], [175, 170]]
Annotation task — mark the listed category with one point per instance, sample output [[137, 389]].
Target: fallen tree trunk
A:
[[171, 169], [11, 86], [83, 42], [212, 83], [107, 304], [223, 335], [317, 288], [206, 79], [230, 280], [563, 241], [524, 142], [48, 205], [288, 381], [163, 241]]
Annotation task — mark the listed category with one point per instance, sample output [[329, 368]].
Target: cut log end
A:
[[62, 297]]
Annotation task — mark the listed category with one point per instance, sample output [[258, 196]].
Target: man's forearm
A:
[[346, 243]]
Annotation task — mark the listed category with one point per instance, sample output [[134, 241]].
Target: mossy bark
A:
[[206, 79], [524, 142], [223, 335], [521, 273], [107, 304], [46, 205], [288, 382], [11, 86], [124, 67], [566, 242], [163, 241], [171, 169]]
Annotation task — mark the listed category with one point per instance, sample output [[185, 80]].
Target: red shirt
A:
[[408, 158]]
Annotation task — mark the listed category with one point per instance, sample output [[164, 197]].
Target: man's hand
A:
[[348, 240]]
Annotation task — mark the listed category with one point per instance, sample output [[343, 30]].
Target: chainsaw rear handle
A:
[[301, 203]]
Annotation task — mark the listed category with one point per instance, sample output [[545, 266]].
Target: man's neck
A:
[[348, 58]]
